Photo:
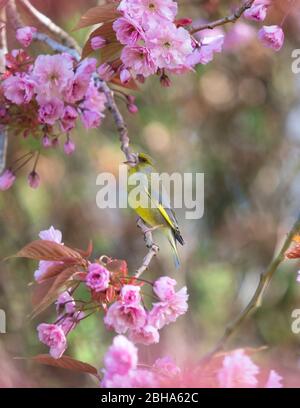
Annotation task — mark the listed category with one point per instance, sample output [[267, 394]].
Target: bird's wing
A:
[[162, 203]]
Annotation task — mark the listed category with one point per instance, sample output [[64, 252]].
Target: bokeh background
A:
[[237, 121]]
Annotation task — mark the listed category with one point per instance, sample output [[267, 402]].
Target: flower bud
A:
[[34, 179]]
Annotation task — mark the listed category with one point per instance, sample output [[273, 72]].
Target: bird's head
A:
[[142, 158]]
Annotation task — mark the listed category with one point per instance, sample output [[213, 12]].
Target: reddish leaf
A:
[[110, 52], [106, 31], [53, 271], [88, 252], [117, 266], [129, 85], [66, 362], [98, 14], [61, 282], [49, 251]]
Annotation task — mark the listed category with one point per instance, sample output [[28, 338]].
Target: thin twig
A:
[[119, 121], [256, 301], [48, 24], [153, 248], [3, 132], [75, 51], [225, 20]]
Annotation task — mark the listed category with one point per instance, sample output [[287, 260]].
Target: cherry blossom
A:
[[7, 179], [238, 371], [272, 37], [54, 337]]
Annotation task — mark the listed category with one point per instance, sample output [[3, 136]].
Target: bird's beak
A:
[[129, 163]]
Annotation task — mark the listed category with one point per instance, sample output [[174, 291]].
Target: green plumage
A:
[[159, 212]]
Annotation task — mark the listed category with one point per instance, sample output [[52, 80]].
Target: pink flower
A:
[[19, 88], [145, 335], [258, 10], [170, 46], [142, 378], [51, 234], [46, 141], [123, 317], [271, 37], [54, 235], [274, 380], [68, 118], [138, 60], [116, 381], [106, 72], [205, 53], [164, 288], [121, 356], [25, 35], [147, 11], [7, 179], [43, 268], [91, 119], [69, 147], [53, 74], [81, 81], [65, 302], [50, 111], [130, 295], [166, 367], [238, 371], [34, 179], [94, 100], [97, 278], [128, 32], [98, 42], [54, 337], [166, 312], [298, 277], [125, 76]]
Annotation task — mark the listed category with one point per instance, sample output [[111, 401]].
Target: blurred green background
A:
[[237, 121]]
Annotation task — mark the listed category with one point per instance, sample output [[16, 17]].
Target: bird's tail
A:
[[172, 239]]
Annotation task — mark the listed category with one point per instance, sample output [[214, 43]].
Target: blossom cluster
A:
[[270, 36], [120, 297], [236, 370], [128, 315], [45, 98], [154, 42]]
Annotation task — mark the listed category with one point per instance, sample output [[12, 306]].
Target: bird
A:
[[157, 213]]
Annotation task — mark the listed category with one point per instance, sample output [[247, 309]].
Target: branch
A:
[[256, 301], [222, 21], [75, 51], [3, 132], [153, 248], [48, 24], [119, 121]]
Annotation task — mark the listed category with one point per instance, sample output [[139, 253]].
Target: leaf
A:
[[88, 252], [106, 31], [110, 52], [97, 15], [43, 250], [67, 363], [52, 271], [61, 282], [117, 266]]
